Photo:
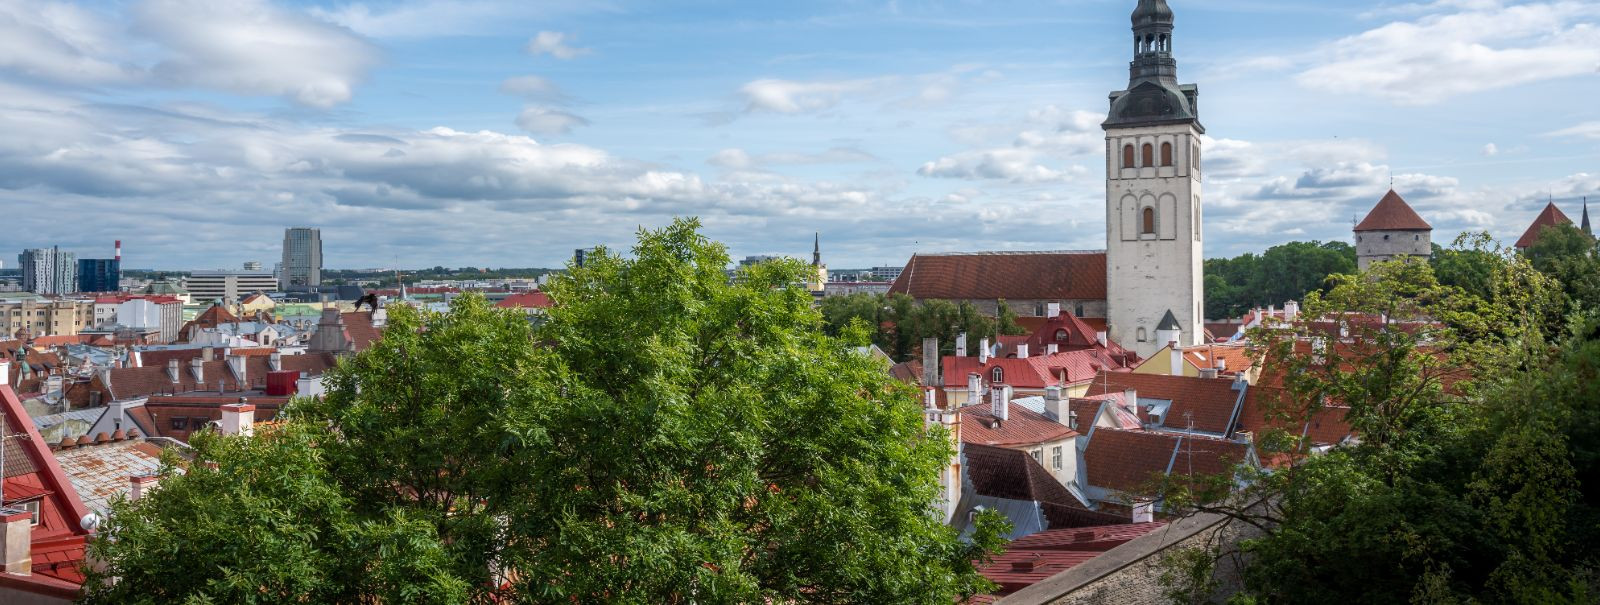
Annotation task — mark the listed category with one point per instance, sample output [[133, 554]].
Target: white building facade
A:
[[1154, 258]]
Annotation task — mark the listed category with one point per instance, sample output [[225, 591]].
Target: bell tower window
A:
[[1149, 155], [1166, 154], [1148, 224], [1127, 156]]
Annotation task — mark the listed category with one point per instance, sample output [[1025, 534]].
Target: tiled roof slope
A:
[[1031, 559], [1010, 474], [1269, 407], [1008, 275], [526, 300], [100, 472], [1208, 402], [358, 326], [131, 383], [1549, 217], [1393, 214], [1126, 461], [1025, 427]]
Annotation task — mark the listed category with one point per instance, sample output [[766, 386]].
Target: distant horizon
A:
[[421, 132]]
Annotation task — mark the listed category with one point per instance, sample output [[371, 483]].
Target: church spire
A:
[[816, 251], [1153, 95], [1586, 216]]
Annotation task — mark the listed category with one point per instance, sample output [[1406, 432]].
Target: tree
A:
[[1283, 273], [899, 324], [1569, 255], [665, 437]]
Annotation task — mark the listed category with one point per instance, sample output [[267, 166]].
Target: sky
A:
[[506, 134]]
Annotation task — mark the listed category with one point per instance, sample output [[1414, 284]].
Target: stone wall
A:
[[1131, 574]]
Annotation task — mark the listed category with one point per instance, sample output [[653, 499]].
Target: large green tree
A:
[[665, 437], [1284, 272]]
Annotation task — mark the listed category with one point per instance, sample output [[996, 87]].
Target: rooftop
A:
[[1062, 275]]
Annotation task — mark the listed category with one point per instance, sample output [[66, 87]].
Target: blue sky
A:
[[423, 132]]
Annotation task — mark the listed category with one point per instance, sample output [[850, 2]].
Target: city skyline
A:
[[422, 133]]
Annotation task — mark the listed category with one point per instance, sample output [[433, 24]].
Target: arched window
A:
[[1127, 156], [1061, 334], [997, 376], [1166, 154], [1149, 155], [1149, 223]]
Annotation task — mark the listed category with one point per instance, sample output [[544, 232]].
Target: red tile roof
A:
[[1031, 559], [57, 541], [1393, 214], [358, 326], [132, 383], [1024, 428], [526, 300], [1269, 407], [1549, 217], [1209, 402], [1236, 358], [1010, 474], [1126, 461], [1008, 275]]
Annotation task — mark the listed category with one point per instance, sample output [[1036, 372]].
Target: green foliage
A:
[[1468, 481], [665, 437], [1569, 256], [1188, 575], [1283, 273], [900, 323]]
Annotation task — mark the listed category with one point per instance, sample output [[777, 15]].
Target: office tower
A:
[[101, 274], [302, 257]]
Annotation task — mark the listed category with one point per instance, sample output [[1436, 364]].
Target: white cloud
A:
[[541, 120], [791, 97], [1460, 48], [1590, 130], [61, 42], [432, 18], [252, 47], [1491, 150], [533, 88], [739, 159], [1015, 165], [898, 92], [555, 45]]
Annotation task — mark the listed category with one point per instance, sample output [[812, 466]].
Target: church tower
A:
[[1153, 253]]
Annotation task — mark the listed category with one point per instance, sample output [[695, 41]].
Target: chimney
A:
[[1022, 351], [1209, 373], [930, 399], [961, 344], [136, 359], [1144, 511], [239, 418], [208, 354], [974, 388], [105, 377], [1100, 337], [197, 367], [119, 251], [1054, 404], [1052, 349], [1072, 419], [240, 369], [1176, 354], [1130, 400], [275, 361], [930, 362], [1245, 437], [172, 370], [1291, 310], [140, 485], [1000, 401], [1052, 310], [983, 351], [16, 548], [5, 372], [1222, 364]]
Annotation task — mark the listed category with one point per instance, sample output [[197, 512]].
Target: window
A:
[[179, 423], [1166, 154], [1061, 335], [1037, 455], [1038, 309], [1055, 457], [1149, 155], [1127, 156], [32, 506], [1142, 336], [997, 376], [1149, 223], [1078, 311]]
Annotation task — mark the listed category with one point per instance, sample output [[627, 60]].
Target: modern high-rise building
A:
[[231, 286], [302, 257], [48, 271], [101, 274], [252, 265]]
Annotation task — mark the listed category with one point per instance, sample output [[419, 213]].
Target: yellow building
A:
[[1225, 359], [43, 316]]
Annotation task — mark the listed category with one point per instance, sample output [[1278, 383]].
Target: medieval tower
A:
[[1153, 236]]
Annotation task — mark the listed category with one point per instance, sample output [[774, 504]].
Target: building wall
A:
[[233, 285], [48, 271], [302, 257], [1380, 246], [99, 275], [1149, 274], [45, 317]]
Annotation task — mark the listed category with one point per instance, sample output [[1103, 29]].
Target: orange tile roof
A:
[[526, 300], [1208, 402], [1549, 217], [1126, 461], [1235, 358], [1024, 428], [1393, 214], [1008, 275], [1031, 559]]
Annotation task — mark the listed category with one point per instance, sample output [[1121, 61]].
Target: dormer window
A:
[[997, 376], [1061, 335]]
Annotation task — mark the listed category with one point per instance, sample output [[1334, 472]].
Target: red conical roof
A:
[[1549, 217], [1393, 214]]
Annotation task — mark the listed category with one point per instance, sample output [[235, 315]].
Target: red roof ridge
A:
[[1549, 217], [1393, 214]]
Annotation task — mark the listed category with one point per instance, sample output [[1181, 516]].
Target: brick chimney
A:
[[5, 372], [239, 418], [16, 547], [139, 485]]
